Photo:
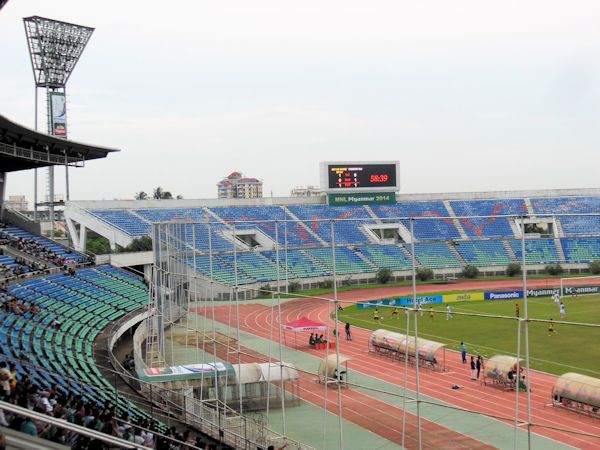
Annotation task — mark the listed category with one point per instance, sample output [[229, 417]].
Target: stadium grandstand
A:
[[450, 231]]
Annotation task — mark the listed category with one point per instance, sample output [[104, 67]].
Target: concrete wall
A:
[[269, 201]]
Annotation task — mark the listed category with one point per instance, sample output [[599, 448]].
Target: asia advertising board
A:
[[479, 296], [548, 292], [401, 301], [464, 297], [58, 114], [188, 369], [504, 295]]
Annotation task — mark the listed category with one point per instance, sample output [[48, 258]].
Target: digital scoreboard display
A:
[[361, 176]]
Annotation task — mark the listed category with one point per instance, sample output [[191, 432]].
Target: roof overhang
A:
[[22, 148]]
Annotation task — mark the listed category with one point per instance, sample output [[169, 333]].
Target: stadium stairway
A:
[[303, 225], [559, 250], [362, 256], [372, 214], [509, 250], [456, 222], [457, 255], [529, 206]]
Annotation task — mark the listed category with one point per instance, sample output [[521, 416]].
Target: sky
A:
[[467, 95]]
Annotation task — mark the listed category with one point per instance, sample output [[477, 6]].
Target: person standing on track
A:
[[463, 352], [479, 365], [473, 369], [348, 332]]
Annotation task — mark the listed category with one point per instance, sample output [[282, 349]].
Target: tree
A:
[[470, 271], [141, 195], [595, 267], [383, 275], [161, 194], [179, 197], [98, 245], [424, 274], [513, 269], [141, 244], [554, 269]]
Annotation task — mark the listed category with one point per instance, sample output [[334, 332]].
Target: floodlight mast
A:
[[54, 48]]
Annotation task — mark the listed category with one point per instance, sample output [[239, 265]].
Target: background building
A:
[[235, 185], [17, 202]]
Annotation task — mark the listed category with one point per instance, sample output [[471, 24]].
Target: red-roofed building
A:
[[235, 185]]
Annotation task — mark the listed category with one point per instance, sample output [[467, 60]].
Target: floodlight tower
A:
[[54, 48]]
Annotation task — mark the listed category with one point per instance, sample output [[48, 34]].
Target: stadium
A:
[[363, 319]]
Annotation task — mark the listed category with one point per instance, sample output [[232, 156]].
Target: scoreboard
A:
[[359, 176]]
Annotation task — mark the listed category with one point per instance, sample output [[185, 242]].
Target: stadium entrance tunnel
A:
[[250, 239]]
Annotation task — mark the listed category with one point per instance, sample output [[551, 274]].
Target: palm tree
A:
[[141, 195], [160, 194]]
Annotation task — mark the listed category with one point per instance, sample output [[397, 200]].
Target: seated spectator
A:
[[311, 340]]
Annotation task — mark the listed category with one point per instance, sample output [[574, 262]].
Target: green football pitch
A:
[[570, 348]]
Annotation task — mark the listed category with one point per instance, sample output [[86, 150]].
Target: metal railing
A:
[[34, 155], [211, 417]]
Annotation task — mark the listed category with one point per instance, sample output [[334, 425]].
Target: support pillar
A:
[[2, 189]]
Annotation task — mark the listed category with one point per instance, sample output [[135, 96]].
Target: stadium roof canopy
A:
[[22, 148]]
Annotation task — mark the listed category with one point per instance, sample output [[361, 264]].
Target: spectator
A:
[[28, 427], [5, 376], [479, 365]]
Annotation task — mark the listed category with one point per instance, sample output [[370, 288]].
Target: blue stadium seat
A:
[[537, 251], [58, 249], [483, 253], [124, 221], [84, 304], [317, 218], [434, 255], [495, 225], [442, 228], [581, 250], [572, 225], [387, 256]]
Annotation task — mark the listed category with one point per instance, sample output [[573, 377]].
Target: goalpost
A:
[[576, 286]]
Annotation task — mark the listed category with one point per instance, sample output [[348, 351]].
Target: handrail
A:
[[34, 155]]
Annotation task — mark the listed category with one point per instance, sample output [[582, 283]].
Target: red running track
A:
[[367, 412], [256, 319]]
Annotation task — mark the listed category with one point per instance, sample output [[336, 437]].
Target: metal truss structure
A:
[[55, 48]]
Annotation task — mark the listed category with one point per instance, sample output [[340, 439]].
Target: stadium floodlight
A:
[[54, 48]]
